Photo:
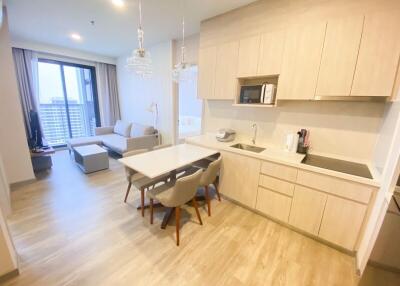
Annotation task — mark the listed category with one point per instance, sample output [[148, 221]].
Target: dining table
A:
[[166, 161]]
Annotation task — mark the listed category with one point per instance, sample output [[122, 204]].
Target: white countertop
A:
[[278, 155], [162, 161]]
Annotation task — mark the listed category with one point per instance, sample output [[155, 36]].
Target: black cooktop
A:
[[342, 166]]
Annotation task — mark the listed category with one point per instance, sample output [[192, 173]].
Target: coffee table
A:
[[91, 158]]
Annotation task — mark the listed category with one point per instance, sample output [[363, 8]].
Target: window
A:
[[68, 105]]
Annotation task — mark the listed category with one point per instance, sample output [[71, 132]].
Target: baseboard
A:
[[9, 275], [383, 266], [17, 185]]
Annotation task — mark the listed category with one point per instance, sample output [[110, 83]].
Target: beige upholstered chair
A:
[[140, 181], [209, 177], [175, 194]]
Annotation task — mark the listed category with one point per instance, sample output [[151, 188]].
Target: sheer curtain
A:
[[26, 71], [108, 93]]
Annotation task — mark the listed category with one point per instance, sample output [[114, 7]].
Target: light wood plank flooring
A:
[[74, 229]]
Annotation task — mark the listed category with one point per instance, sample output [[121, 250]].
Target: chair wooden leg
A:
[[142, 201], [207, 200], [177, 218], [151, 211], [127, 191], [216, 190], [197, 210]]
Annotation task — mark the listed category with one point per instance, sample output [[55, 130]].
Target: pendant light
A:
[[182, 71], [140, 61]]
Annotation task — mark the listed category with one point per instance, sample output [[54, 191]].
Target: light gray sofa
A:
[[121, 138]]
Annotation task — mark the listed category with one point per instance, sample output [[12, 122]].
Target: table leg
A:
[[167, 217]]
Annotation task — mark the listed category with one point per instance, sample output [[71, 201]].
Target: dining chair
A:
[[209, 177], [140, 181], [175, 194]]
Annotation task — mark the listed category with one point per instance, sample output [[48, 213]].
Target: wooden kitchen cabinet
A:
[[248, 56], [339, 57], [239, 178], [272, 45], [307, 209], [273, 204], [207, 65], [378, 57], [301, 60], [226, 70], [341, 222]]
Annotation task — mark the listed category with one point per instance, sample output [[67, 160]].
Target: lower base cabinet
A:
[[341, 222], [239, 178], [273, 204], [307, 209]]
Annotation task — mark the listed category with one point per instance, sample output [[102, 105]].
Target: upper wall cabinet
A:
[[225, 72], [378, 56], [271, 52], [207, 64], [301, 59], [339, 56], [248, 56]]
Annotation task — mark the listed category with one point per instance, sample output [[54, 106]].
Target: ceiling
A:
[[114, 31]]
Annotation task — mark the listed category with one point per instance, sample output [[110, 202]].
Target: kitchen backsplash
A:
[[344, 129]]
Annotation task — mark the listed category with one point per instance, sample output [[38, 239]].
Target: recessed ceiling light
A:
[[76, 37], [118, 3]]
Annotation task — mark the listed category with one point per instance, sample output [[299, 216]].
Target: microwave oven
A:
[[250, 94], [263, 93]]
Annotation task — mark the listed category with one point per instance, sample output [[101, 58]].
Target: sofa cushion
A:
[[138, 130], [122, 128], [82, 141], [115, 142]]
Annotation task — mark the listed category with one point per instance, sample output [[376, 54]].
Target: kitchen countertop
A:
[[277, 155]]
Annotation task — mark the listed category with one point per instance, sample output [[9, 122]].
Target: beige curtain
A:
[[24, 60], [108, 93]]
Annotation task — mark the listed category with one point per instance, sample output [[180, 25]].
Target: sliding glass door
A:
[[68, 104]]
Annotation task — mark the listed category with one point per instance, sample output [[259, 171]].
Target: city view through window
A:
[[67, 103]]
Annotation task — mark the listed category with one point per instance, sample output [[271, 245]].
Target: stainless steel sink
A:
[[250, 148]]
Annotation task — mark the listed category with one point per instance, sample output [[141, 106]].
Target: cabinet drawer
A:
[[277, 185], [279, 171], [347, 189], [273, 204], [307, 208], [341, 222]]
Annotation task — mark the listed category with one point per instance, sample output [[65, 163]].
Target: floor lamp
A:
[[153, 108]]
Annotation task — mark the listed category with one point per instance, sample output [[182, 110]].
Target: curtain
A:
[[24, 61], [108, 93]]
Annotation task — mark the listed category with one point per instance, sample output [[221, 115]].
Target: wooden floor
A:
[[74, 229]]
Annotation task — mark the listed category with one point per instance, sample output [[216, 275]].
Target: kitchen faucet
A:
[[254, 126]]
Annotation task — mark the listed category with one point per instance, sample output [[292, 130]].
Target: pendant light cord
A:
[[183, 32], [140, 30]]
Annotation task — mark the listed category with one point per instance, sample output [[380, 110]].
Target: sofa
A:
[[121, 138]]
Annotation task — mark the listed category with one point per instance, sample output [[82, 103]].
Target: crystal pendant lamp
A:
[[182, 71], [140, 60]]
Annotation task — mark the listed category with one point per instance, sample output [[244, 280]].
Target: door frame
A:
[[177, 140]]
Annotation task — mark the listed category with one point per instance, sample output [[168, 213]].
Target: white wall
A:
[[13, 143], [8, 256], [61, 51], [381, 153], [343, 129], [136, 94]]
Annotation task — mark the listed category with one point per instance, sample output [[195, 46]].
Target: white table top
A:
[[159, 162], [88, 150]]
